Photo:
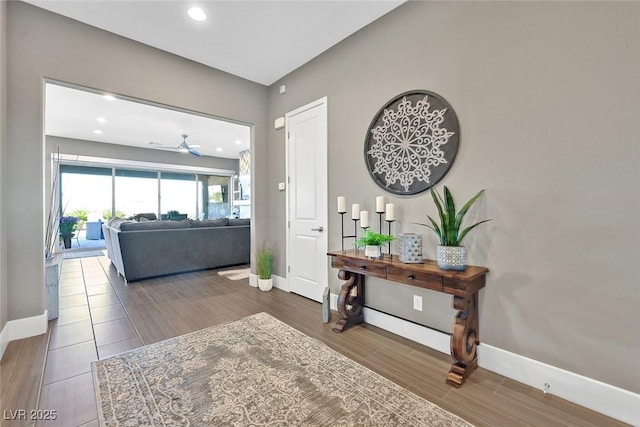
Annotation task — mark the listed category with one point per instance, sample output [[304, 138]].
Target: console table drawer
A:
[[415, 278], [359, 266]]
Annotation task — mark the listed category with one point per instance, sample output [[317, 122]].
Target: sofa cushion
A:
[[154, 225], [147, 216], [117, 222], [220, 222], [239, 221]]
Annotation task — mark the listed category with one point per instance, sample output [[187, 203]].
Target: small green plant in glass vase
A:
[[450, 254], [372, 242]]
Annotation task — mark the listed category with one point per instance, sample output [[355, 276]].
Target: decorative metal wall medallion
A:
[[412, 142]]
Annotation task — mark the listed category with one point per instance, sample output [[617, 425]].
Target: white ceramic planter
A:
[[265, 284], [372, 251], [451, 257], [52, 284]]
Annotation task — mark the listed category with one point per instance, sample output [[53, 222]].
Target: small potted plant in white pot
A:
[[451, 255], [264, 263], [372, 242]]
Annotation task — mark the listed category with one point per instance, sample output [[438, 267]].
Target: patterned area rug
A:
[[238, 274], [255, 371]]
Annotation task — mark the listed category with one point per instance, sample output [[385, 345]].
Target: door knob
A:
[[320, 229]]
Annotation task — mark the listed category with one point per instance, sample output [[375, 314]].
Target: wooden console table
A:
[[463, 285]]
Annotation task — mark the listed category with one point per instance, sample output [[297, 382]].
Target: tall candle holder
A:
[[389, 221], [355, 229], [380, 219]]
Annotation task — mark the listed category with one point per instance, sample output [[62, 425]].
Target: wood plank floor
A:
[[101, 316]]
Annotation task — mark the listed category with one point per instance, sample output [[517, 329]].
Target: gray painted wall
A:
[[3, 144], [42, 44], [547, 98]]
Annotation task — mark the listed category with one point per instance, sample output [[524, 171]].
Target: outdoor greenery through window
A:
[[100, 193]]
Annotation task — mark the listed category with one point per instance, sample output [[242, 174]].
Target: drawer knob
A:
[[411, 277], [363, 267]]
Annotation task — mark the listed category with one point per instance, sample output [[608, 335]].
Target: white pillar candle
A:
[[379, 204], [342, 204], [355, 211], [364, 219], [391, 212]]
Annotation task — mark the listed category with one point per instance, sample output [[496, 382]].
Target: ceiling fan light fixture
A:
[[197, 14]]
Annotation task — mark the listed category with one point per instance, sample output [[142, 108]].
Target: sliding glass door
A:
[[85, 191], [178, 194], [124, 193], [135, 192]]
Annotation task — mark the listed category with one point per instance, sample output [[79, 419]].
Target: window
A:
[[85, 189], [178, 193], [136, 192], [195, 196]]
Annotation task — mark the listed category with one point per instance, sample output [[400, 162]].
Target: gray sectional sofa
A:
[[140, 250]]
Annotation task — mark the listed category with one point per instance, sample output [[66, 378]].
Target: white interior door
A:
[[307, 240]]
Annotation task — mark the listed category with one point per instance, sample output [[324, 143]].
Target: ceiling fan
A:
[[183, 147]]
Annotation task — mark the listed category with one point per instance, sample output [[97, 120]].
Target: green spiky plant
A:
[[373, 239], [264, 262], [448, 231]]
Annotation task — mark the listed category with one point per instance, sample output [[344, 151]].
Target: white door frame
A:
[[325, 235]]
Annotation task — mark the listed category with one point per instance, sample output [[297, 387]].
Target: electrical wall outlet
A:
[[417, 302]]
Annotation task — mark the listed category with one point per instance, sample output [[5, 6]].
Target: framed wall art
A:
[[412, 142]]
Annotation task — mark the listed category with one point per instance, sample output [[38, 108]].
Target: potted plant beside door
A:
[[450, 254], [264, 264]]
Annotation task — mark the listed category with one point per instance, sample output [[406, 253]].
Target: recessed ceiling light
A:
[[218, 149], [102, 120], [98, 132], [238, 142], [197, 14], [109, 97]]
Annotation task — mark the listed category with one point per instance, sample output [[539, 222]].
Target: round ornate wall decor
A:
[[411, 142]]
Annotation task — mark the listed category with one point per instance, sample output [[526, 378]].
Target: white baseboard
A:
[[4, 339], [612, 401], [278, 282], [420, 334], [22, 328], [601, 397], [281, 283]]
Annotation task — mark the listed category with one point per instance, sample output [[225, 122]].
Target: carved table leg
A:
[[464, 341], [350, 300]]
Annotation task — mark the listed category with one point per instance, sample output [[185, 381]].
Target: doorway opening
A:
[[117, 156]]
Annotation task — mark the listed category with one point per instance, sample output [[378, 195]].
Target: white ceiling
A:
[[257, 40], [74, 113], [261, 41]]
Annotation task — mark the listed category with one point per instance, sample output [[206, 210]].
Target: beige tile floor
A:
[[92, 324]]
